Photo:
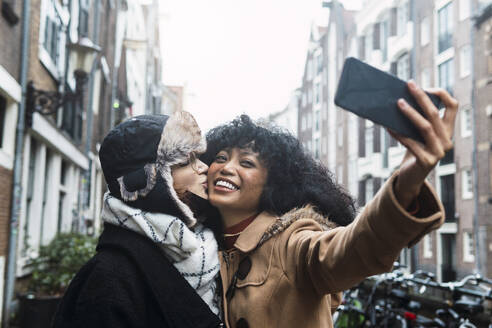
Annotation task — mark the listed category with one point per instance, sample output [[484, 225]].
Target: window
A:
[[384, 40], [445, 27], [464, 9], [303, 123], [466, 122], [428, 246], [424, 31], [446, 75], [425, 78], [467, 184], [72, 118], [403, 67], [303, 100], [316, 148], [317, 93], [319, 64], [447, 196], [402, 18], [29, 195], [3, 111], [83, 18], [465, 60], [317, 120], [309, 120], [369, 135], [62, 194], [310, 96], [468, 247]]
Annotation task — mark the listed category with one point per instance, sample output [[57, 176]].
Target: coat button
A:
[[244, 268], [242, 323]]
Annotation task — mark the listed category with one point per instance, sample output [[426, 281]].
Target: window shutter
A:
[[362, 143], [376, 37], [362, 47], [393, 21], [377, 139], [362, 193]]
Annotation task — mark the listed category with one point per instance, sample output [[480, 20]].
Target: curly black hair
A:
[[294, 177]]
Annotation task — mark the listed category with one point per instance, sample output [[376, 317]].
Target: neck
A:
[[230, 218]]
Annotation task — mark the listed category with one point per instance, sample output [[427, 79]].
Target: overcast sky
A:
[[237, 56]]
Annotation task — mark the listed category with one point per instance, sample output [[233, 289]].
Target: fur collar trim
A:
[[284, 222]]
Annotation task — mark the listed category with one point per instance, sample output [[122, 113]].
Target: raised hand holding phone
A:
[[437, 133]]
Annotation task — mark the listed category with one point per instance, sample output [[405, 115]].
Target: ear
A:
[[137, 183]]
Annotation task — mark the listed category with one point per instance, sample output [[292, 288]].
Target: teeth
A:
[[226, 185]]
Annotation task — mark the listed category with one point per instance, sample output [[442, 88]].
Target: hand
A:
[[420, 159]]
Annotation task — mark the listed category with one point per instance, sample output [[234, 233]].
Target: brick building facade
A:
[[10, 97]]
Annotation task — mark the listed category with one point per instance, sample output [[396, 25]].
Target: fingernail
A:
[[412, 85], [402, 103]]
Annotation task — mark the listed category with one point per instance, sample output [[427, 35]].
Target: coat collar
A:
[[251, 236], [267, 225]]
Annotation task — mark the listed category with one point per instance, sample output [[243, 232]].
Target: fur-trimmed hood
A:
[[284, 222], [137, 156]]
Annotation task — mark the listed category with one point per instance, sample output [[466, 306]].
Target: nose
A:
[[227, 168]]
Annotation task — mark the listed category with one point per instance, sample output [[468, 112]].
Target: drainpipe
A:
[[95, 38], [17, 183], [476, 223], [114, 80], [414, 259]]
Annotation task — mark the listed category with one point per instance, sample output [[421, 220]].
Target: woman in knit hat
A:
[[156, 263]]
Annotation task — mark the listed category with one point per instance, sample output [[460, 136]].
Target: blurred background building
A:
[[442, 43]]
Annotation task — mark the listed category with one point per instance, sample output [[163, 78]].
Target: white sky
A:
[[237, 56]]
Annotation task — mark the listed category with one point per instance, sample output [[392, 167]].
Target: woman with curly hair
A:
[[291, 243]]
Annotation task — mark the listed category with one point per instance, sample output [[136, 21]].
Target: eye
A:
[[247, 163], [220, 158]]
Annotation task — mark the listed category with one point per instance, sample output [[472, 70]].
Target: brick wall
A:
[[11, 42], [5, 199]]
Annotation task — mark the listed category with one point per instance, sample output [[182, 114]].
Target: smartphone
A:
[[373, 94]]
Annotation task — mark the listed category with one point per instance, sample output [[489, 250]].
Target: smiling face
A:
[[190, 176], [236, 179]]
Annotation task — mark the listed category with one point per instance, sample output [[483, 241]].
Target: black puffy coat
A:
[[129, 283]]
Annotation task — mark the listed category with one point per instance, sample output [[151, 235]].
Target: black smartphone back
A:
[[373, 94]]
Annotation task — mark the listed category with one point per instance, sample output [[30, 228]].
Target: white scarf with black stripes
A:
[[193, 252]]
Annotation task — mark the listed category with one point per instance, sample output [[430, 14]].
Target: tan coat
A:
[[300, 262]]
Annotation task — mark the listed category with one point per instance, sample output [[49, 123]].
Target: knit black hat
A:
[[137, 155]]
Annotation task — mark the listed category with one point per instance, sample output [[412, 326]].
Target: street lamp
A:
[[47, 102]]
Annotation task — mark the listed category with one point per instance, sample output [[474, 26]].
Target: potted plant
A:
[[51, 272]]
